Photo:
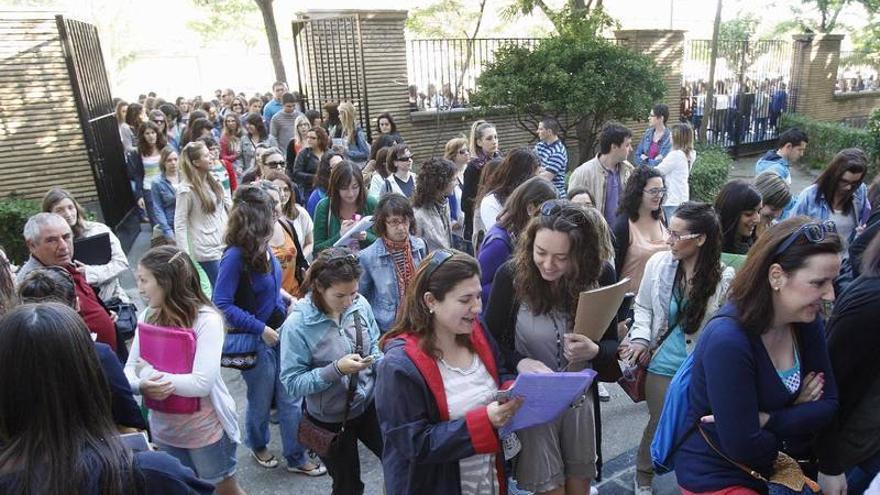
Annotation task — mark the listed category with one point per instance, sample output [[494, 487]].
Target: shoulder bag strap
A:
[[751, 472], [353, 378]]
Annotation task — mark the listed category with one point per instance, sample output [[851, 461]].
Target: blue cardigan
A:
[[266, 288], [422, 445], [734, 379]]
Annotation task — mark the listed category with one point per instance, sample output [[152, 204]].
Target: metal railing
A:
[[443, 73], [857, 72]]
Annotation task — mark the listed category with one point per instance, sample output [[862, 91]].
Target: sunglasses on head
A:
[[437, 258], [563, 209], [813, 232], [339, 254]]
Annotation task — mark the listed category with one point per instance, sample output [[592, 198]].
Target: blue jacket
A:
[[311, 343], [125, 410], [134, 168], [378, 284], [317, 195], [733, 378], [164, 204], [422, 445], [773, 162], [665, 144], [265, 287], [812, 203], [359, 150]]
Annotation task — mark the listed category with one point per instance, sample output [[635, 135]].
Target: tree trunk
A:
[[586, 138], [709, 105], [272, 37]]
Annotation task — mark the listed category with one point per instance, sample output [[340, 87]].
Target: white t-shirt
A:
[[303, 225], [490, 208], [676, 168]]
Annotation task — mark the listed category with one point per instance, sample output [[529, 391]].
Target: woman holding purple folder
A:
[[205, 440]]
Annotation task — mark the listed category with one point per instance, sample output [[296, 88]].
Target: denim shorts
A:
[[212, 463]]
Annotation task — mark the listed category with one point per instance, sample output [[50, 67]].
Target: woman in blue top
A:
[[354, 139], [657, 141], [322, 180], [671, 307], [761, 380], [390, 263], [248, 292], [164, 192], [840, 195], [320, 357]]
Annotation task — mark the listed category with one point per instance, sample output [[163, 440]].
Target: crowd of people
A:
[[364, 299]]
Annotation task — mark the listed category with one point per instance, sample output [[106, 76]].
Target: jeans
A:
[[859, 478], [343, 462], [212, 463], [263, 382], [211, 268]]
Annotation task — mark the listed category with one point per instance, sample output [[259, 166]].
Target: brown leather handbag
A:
[[317, 438], [633, 380]]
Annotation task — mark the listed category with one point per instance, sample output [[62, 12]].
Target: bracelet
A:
[[336, 366]]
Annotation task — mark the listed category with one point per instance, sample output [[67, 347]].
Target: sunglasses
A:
[[436, 260], [813, 232], [275, 164], [341, 254], [565, 210], [405, 158], [464, 152]]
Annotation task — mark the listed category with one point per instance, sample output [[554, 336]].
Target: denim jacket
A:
[[812, 203], [665, 144], [164, 203], [378, 284], [311, 343]]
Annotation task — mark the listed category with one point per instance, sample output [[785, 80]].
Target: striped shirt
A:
[[554, 158], [468, 389]]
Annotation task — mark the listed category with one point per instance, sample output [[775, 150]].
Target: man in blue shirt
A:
[[274, 106], [789, 149], [554, 156]]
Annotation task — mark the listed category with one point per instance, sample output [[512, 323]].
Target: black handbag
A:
[[317, 438], [126, 318]]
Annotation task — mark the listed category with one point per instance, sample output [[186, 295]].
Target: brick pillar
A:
[[813, 73], [666, 47]]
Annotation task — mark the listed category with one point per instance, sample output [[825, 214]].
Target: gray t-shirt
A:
[[283, 127], [540, 336], [612, 195]]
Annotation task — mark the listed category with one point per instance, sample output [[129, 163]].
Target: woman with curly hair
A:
[[531, 313], [639, 231], [431, 205]]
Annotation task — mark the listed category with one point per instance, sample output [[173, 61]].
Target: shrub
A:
[[709, 172], [828, 138], [14, 213]]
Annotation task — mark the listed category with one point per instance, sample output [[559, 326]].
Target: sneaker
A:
[[640, 490], [594, 490], [317, 470], [604, 396]]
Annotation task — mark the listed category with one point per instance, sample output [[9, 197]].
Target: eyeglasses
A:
[[405, 158], [655, 191], [275, 164], [853, 184], [813, 232], [436, 259], [675, 236], [464, 152], [396, 222]]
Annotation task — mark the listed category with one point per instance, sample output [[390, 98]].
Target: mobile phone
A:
[[625, 306], [136, 441]]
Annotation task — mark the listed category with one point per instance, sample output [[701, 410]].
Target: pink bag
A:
[[171, 350]]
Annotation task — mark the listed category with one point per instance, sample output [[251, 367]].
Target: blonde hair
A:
[[477, 130], [201, 182], [299, 138], [683, 138], [346, 118], [452, 147]]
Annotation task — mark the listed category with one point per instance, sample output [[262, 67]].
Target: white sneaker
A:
[[604, 396], [594, 490], [640, 490]]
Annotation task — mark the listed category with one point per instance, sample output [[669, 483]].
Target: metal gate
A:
[[330, 63], [88, 78], [751, 91]]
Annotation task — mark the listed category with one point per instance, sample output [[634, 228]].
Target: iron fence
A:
[[443, 73], [857, 72], [751, 89]]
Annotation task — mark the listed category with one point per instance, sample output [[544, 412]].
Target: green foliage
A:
[[574, 14], [742, 27], [432, 20], [222, 17], [828, 138], [14, 213], [584, 80], [823, 15], [709, 172], [874, 130]]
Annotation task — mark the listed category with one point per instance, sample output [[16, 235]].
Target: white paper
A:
[[362, 225]]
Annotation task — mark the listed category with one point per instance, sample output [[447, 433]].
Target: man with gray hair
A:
[[50, 241]]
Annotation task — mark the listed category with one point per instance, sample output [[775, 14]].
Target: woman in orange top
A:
[[285, 245]]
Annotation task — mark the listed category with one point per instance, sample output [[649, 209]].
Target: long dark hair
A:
[[851, 160], [161, 139], [518, 166], [341, 177], [56, 426], [251, 225], [700, 219], [515, 215], [434, 177], [734, 198], [386, 115], [333, 265], [415, 317], [589, 248], [750, 290], [634, 192], [256, 120], [50, 284], [322, 175], [177, 276]]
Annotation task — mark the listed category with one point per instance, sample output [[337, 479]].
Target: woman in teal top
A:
[[670, 309], [346, 202]]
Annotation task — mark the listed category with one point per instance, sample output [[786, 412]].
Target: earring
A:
[[431, 310], [776, 288]]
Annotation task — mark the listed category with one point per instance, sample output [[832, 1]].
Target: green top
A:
[[734, 260], [327, 225]]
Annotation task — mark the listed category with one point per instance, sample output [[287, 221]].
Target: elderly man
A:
[[50, 241]]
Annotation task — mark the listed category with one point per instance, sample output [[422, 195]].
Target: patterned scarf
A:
[[404, 268]]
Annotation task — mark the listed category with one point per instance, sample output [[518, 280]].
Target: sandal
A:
[[318, 470], [269, 463]]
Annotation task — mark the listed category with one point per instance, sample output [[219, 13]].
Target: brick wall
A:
[[814, 72]]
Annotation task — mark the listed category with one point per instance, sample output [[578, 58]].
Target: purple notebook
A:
[[171, 350]]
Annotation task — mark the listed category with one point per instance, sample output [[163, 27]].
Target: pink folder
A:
[[171, 350]]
